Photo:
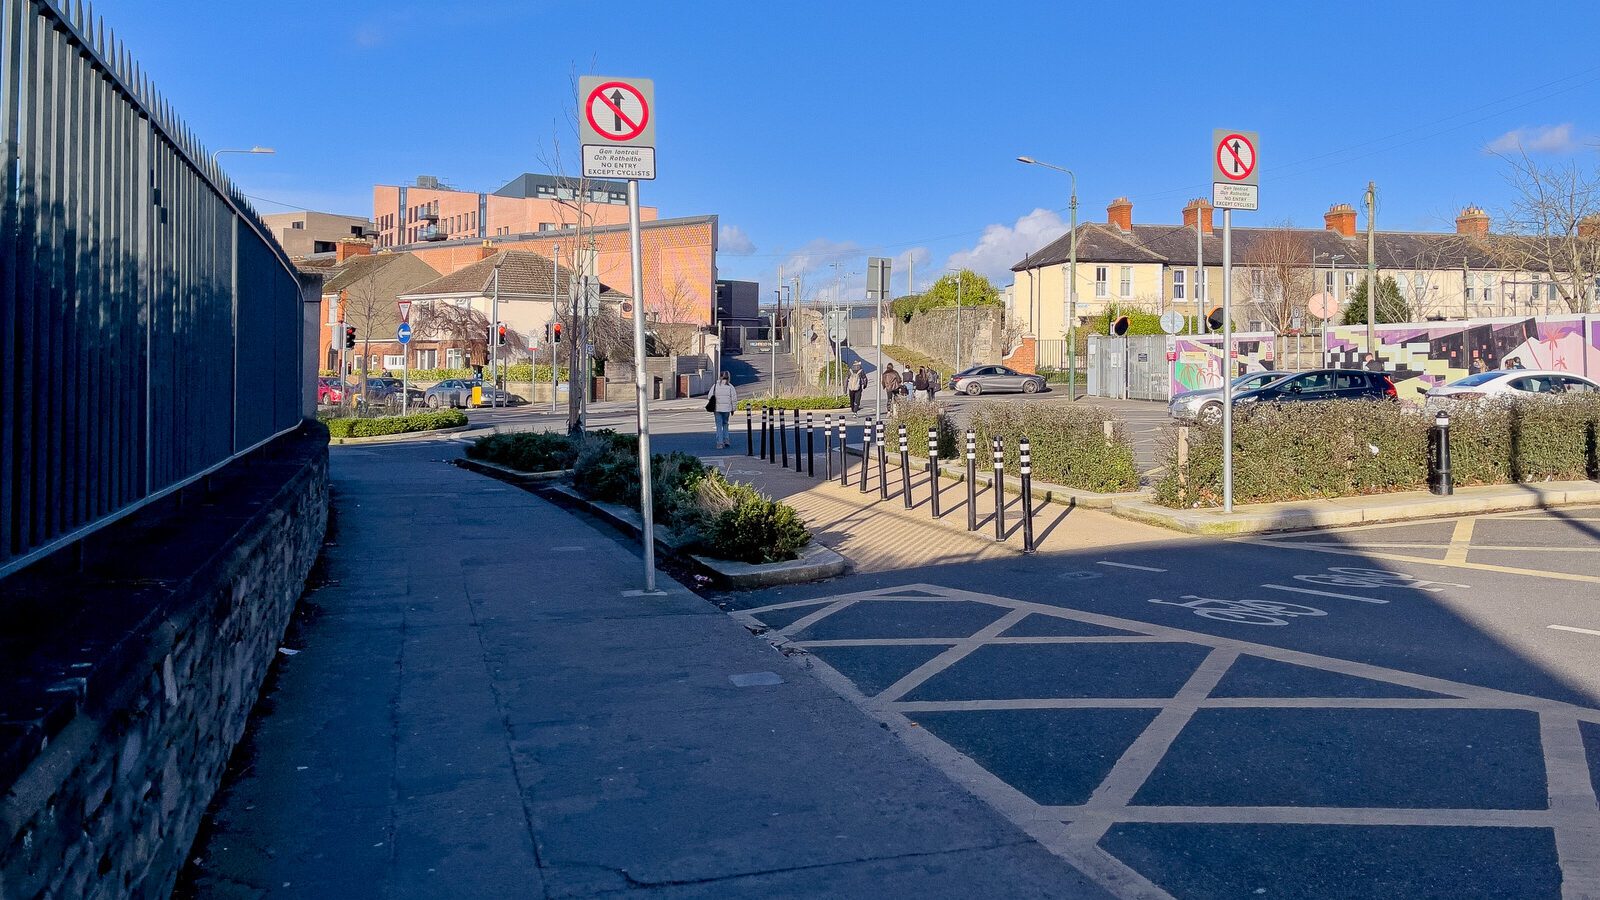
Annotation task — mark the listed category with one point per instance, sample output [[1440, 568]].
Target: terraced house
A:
[[1465, 273]]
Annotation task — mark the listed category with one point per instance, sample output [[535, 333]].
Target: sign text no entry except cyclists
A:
[[1235, 169]]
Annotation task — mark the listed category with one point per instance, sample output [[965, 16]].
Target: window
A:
[[1351, 381], [427, 359], [372, 361], [355, 231], [396, 361], [1328, 282], [1404, 283], [1349, 283], [1310, 383], [297, 225], [1258, 286], [333, 309], [1199, 284], [1488, 290], [1177, 285], [323, 247], [1126, 286], [1101, 273], [453, 359]]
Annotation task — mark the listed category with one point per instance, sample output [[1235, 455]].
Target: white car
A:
[[1508, 383]]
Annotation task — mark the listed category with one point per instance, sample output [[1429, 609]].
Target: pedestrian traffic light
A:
[[556, 330], [349, 337], [547, 332], [1215, 319], [1119, 327], [502, 332]]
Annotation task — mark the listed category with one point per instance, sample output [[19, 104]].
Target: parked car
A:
[[458, 392], [330, 390], [391, 388], [1506, 383], [1323, 384], [1206, 404], [978, 379]]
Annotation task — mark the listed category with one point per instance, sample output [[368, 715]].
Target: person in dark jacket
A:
[[891, 385]]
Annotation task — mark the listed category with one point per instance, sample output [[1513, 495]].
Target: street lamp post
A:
[[958, 317], [1333, 264], [266, 151], [1072, 278]]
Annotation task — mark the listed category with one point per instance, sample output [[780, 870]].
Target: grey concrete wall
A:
[[132, 704], [933, 332]]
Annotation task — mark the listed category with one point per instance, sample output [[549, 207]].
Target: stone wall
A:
[[129, 668], [933, 332]]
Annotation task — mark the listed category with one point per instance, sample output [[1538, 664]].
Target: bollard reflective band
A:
[[1026, 458], [933, 442]]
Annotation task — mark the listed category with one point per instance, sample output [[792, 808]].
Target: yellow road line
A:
[[1461, 540]]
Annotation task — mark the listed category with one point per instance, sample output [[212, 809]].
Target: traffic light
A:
[[1119, 327], [556, 331], [502, 332], [349, 337], [547, 332], [1215, 319]]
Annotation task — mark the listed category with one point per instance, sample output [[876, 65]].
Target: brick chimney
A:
[[1198, 210], [1588, 227], [1340, 217], [486, 250], [351, 247], [1120, 213], [1474, 221]]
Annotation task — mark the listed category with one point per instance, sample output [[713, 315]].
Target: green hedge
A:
[[917, 416], [1069, 443], [428, 421], [839, 402], [1299, 451], [533, 451], [518, 372], [917, 360], [839, 370]]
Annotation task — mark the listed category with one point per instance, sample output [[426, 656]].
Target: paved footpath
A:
[[478, 707]]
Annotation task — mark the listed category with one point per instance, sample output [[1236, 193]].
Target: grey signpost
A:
[[878, 271], [1235, 184], [403, 335], [617, 127]]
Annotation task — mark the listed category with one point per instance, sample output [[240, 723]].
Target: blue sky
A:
[[826, 132]]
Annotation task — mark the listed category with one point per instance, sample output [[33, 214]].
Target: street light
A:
[[1072, 278], [265, 151], [958, 316], [1333, 264]]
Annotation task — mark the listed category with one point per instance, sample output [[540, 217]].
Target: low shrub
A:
[[918, 416], [1068, 443], [1300, 451], [606, 467], [742, 524], [811, 402], [428, 421], [532, 451], [833, 372]]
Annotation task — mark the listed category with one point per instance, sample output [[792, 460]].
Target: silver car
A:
[[1206, 405], [978, 379]]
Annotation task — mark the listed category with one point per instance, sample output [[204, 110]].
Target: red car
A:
[[329, 390]]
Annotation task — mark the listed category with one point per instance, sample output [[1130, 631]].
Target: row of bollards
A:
[[774, 448]]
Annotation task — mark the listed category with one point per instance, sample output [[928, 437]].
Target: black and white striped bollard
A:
[[749, 434], [999, 489], [827, 447], [811, 446], [1027, 496], [783, 435], [883, 462], [933, 469], [972, 480], [763, 433], [799, 464], [866, 454], [905, 467]]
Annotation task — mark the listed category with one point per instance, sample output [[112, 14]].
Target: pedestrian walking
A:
[[891, 385], [721, 401], [1478, 366], [856, 384]]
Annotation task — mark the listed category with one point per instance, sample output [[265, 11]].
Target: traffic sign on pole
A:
[[1171, 321], [617, 127], [405, 309], [403, 333], [1235, 169]]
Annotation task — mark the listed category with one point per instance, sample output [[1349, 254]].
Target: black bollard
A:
[[972, 480], [749, 434], [933, 469], [783, 435], [905, 467], [763, 433], [999, 490], [799, 464], [827, 447], [883, 462], [1439, 477], [866, 454], [811, 447], [1027, 496]]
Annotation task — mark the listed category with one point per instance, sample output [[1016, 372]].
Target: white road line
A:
[[1578, 630], [1284, 587], [1107, 562]]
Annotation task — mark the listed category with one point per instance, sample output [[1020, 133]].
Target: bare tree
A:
[[1552, 225], [372, 316], [1278, 280], [452, 323]]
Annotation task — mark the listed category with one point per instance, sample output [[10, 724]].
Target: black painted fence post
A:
[[1440, 480], [866, 454], [905, 467], [811, 446], [883, 462], [763, 434], [1027, 496], [999, 489], [972, 480], [827, 447], [933, 469], [749, 434], [799, 464], [783, 435]]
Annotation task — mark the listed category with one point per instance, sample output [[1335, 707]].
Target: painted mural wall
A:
[[1427, 354], [1198, 365]]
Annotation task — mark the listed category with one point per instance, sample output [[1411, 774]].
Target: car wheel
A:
[[1030, 387], [1210, 414], [433, 402], [974, 389]]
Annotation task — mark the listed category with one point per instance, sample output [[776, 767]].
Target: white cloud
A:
[[1539, 139], [818, 255], [732, 240], [1002, 246]]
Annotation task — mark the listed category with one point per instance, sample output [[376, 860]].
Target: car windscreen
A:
[[1475, 380]]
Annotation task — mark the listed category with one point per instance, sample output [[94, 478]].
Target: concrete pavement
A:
[[479, 704]]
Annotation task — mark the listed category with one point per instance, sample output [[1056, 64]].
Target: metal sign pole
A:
[[1227, 360], [646, 500]]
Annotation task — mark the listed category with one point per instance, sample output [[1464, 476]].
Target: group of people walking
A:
[[723, 398]]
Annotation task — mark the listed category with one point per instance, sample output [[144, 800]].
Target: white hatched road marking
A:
[[1107, 562], [1297, 590], [1575, 629]]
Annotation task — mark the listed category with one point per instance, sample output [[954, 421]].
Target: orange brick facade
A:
[[458, 212], [1025, 358]]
